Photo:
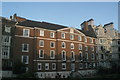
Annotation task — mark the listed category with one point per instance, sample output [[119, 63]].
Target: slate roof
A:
[[108, 24], [51, 26], [89, 33], [7, 21], [44, 25]]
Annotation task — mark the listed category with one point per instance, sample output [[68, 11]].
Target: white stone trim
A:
[[53, 74], [57, 39], [23, 36]]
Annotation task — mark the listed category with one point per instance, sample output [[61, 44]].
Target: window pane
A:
[[52, 44], [62, 35], [63, 44], [41, 43], [25, 47], [26, 32], [41, 54], [52, 35], [52, 54], [41, 32]]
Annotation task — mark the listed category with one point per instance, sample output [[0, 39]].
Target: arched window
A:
[[63, 45], [63, 55], [73, 56], [81, 56], [72, 46]]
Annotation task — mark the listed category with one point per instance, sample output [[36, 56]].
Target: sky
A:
[[70, 14]]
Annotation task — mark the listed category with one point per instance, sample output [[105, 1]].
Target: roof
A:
[[51, 26], [7, 21], [88, 33], [44, 25], [90, 20], [87, 21], [19, 19], [108, 24]]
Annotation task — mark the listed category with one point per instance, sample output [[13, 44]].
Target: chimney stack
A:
[[10, 17], [84, 26], [90, 22], [14, 17]]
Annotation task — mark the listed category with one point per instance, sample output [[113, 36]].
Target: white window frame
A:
[[40, 66], [81, 54], [92, 48], [24, 33], [51, 43], [64, 65], [72, 44], [5, 49], [80, 65], [7, 29], [92, 56], [41, 32], [86, 56], [79, 38], [53, 34], [91, 40], [51, 54], [24, 46], [86, 49], [3, 39], [101, 40], [94, 65], [54, 65], [63, 35], [73, 59], [71, 37], [40, 53], [62, 56], [80, 46], [86, 65], [27, 59], [85, 39], [40, 43], [46, 64], [63, 43]]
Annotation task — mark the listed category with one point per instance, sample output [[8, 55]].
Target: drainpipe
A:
[[56, 52]]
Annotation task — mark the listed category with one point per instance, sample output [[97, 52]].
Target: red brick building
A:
[[48, 49]]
